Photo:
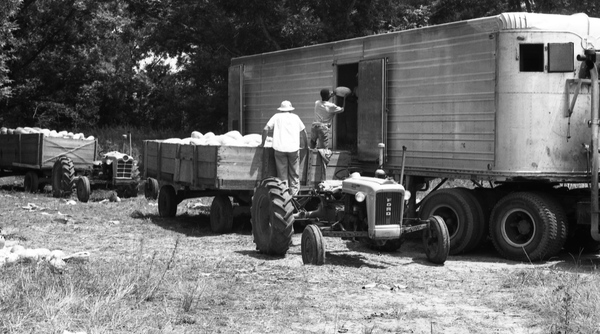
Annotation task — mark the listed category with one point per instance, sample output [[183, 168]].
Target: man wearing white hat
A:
[[288, 129]]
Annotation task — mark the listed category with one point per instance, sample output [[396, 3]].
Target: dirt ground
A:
[[358, 290]]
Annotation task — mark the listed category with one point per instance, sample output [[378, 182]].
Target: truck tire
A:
[[83, 189], [480, 221], [525, 227], [436, 240], [151, 188], [221, 215], [272, 217], [31, 182], [561, 219], [312, 245], [455, 208], [63, 173], [167, 201]]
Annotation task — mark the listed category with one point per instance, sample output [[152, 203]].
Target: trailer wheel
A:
[[455, 208], [63, 173], [167, 201], [221, 215], [272, 217], [525, 227], [313, 245], [31, 182], [151, 188], [436, 240], [83, 189]]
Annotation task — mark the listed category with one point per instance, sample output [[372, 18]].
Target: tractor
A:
[[369, 209], [116, 171]]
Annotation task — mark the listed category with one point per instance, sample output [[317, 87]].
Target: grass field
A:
[[148, 274]]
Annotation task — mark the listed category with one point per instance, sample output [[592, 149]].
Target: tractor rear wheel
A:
[[436, 240], [167, 201], [83, 189], [31, 182], [272, 217], [63, 173], [312, 245], [221, 215]]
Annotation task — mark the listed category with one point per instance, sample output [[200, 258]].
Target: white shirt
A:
[[286, 131], [325, 110]]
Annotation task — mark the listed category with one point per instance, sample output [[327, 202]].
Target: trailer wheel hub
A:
[[524, 227]]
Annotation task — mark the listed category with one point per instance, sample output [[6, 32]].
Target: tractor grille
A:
[[388, 209], [124, 169]]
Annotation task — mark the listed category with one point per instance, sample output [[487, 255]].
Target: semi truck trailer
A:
[[507, 105]]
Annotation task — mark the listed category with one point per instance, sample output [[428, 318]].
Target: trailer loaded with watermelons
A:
[[66, 161], [333, 201]]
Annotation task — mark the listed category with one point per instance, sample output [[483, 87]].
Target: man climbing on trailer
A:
[[287, 130], [320, 132]]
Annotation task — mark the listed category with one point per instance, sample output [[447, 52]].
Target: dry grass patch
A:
[[148, 274]]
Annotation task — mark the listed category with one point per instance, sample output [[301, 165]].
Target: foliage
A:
[[8, 9], [164, 64]]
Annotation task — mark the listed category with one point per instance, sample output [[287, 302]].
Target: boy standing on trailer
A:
[[321, 127], [287, 131]]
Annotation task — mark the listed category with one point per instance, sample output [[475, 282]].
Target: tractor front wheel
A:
[[436, 240], [272, 217], [83, 189], [313, 245]]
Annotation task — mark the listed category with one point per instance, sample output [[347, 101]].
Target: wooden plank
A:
[[81, 152], [31, 152], [185, 159], [206, 169], [167, 157], [340, 160], [9, 150], [36, 151], [151, 158], [241, 168]]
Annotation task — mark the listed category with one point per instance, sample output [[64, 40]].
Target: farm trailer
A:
[[175, 172], [66, 164], [509, 102], [40, 159]]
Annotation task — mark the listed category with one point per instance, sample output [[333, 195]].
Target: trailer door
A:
[[371, 108], [235, 97]]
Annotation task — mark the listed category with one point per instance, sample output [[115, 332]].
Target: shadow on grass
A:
[[197, 225], [341, 258], [12, 187]]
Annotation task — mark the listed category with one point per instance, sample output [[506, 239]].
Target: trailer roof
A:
[[579, 24]]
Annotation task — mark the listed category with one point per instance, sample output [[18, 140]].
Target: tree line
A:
[[78, 64]]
